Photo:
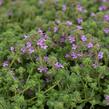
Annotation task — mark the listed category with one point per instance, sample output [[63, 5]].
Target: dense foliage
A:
[[54, 54]]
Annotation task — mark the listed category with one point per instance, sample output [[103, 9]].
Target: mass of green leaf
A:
[[54, 54]]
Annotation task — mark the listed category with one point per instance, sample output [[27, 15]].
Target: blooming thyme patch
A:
[[54, 54]]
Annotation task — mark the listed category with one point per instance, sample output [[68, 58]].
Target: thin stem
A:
[[56, 83], [13, 60]]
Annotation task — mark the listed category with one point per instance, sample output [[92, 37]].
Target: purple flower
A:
[[79, 27], [55, 29], [79, 55], [58, 65], [94, 66], [62, 39], [12, 49], [102, 8], [90, 45], [40, 32], [106, 17], [71, 39], [45, 58], [27, 48], [92, 14], [64, 7], [100, 55], [74, 47], [79, 20], [80, 8], [106, 30], [28, 44], [41, 43], [44, 46], [31, 50], [83, 38], [1, 2], [105, 1], [107, 99], [23, 50], [42, 69], [67, 56], [5, 64], [74, 55], [45, 36], [69, 23]]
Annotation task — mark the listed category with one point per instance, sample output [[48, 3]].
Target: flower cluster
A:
[[106, 17], [42, 69], [41, 42], [107, 99], [100, 55], [28, 48], [54, 45], [5, 64], [106, 30], [58, 65], [83, 38]]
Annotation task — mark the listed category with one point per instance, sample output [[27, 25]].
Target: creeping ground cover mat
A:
[[54, 54]]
